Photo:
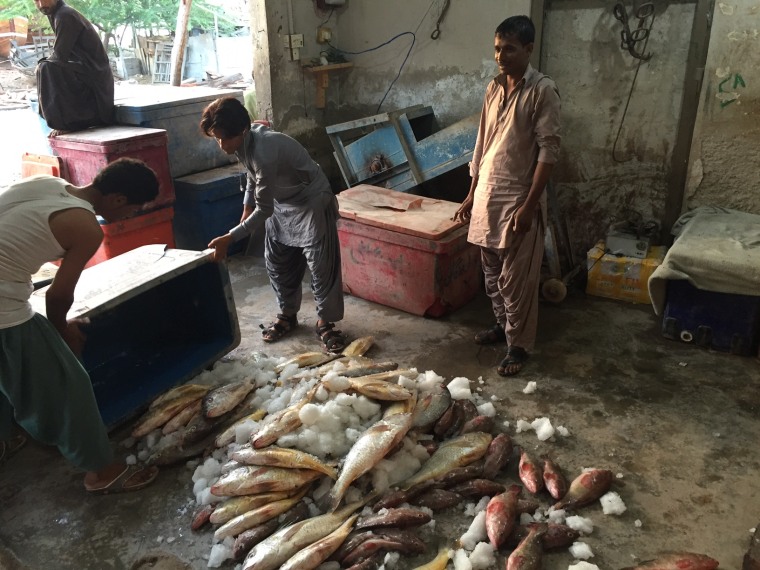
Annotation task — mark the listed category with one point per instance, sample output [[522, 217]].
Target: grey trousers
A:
[[48, 392], [286, 266]]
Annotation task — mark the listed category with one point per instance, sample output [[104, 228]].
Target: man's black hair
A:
[[520, 27], [226, 116], [130, 177]]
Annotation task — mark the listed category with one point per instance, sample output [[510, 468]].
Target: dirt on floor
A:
[[15, 87]]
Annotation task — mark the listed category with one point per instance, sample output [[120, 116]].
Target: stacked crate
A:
[[85, 153], [208, 200]]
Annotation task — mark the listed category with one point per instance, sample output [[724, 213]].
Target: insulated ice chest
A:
[[721, 321], [208, 205], [404, 251], [177, 110], [85, 153], [157, 318]]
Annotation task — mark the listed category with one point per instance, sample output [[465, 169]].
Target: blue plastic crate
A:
[[721, 321], [157, 319], [208, 204]]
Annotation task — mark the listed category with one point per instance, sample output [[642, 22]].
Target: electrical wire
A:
[[328, 17], [630, 93], [401, 67]]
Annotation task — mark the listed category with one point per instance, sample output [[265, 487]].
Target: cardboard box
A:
[[620, 277]]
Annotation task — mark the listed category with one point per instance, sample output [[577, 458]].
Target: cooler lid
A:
[[108, 135], [398, 211], [235, 170], [108, 284], [151, 97]]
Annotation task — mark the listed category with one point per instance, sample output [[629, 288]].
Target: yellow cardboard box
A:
[[620, 277]]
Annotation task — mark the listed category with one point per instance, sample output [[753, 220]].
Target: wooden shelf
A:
[[321, 75]]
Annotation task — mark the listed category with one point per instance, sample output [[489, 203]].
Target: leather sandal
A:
[[333, 340], [276, 330]]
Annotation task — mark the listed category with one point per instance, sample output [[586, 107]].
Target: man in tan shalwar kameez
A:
[[517, 146]]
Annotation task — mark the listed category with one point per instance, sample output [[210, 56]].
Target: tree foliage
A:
[[108, 15]]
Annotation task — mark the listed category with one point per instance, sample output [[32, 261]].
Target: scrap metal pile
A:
[[341, 462]]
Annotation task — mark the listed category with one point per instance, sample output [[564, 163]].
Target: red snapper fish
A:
[[554, 480], [678, 561], [586, 488], [530, 473], [501, 515], [527, 555]]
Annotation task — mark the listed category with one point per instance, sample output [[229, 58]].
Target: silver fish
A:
[[453, 453], [372, 446], [236, 506], [307, 359], [283, 457], [273, 551], [254, 517], [221, 400], [359, 347], [250, 480], [284, 421], [316, 553], [431, 407]]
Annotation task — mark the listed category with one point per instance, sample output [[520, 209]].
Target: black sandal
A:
[[275, 331], [491, 336], [516, 358], [333, 340]]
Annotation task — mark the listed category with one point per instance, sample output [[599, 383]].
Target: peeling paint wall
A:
[[582, 53], [450, 73], [724, 165]]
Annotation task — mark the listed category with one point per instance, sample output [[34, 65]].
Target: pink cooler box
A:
[[403, 251]]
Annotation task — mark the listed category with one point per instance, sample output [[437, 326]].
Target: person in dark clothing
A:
[[75, 84]]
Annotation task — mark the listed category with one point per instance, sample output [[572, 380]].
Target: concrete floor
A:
[[679, 423]]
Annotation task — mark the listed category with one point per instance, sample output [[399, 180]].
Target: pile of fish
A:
[[275, 505]]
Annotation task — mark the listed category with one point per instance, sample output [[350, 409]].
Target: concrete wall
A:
[[581, 52], [449, 73], [724, 167]]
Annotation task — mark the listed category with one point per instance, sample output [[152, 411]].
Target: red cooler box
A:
[[85, 153], [403, 251], [146, 229]]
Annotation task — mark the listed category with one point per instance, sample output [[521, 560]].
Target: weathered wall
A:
[[581, 52], [449, 73], [724, 167]]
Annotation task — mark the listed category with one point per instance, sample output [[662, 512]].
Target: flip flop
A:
[[120, 484], [9, 448]]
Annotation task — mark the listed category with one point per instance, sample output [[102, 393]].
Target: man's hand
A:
[[465, 211], [523, 218], [73, 335], [221, 245], [247, 211]]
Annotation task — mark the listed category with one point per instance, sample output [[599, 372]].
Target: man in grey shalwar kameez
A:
[[290, 196], [75, 84], [517, 146]]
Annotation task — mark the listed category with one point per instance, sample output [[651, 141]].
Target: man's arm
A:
[[547, 128], [67, 31], [79, 233]]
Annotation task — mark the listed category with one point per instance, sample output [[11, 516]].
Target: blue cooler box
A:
[[178, 111], [721, 321], [207, 205], [157, 319]]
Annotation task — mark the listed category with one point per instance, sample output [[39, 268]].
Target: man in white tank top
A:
[[43, 387]]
